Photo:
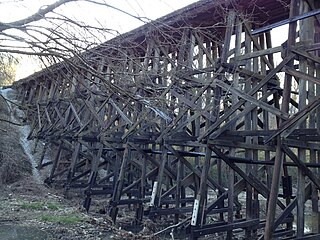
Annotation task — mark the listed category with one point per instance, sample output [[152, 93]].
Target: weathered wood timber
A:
[[195, 117]]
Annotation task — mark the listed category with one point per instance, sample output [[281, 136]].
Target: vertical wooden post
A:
[[198, 214], [315, 192], [248, 126], [55, 163], [157, 187], [93, 174], [43, 153], [305, 29], [269, 229], [231, 175], [267, 121], [178, 189], [218, 90], [119, 184], [142, 190], [73, 162]]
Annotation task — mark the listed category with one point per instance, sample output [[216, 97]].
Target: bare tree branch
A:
[[35, 17], [7, 121]]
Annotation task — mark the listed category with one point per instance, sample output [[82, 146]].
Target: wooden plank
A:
[[258, 53], [121, 113], [286, 21], [225, 227], [169, 172], [205, 50], [185, 182], [248, 108], [236, 106], [198, 215], [55, 163], [290, 125], [256, 44], [302, 166], [290, 207], [61, 118], [301, 75], [75, 113], [238, 188], [192, 105], [119, 184], [302, 144], [94, 113], [156, 198], [250, 179], [211, 182], [183, 112], [227, 143], [306, 55], [251, 99], [279, 158]]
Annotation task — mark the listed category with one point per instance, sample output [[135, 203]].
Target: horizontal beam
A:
[[286, 21]]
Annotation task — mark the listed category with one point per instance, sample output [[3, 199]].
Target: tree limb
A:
[[4, 120], [35, 17]]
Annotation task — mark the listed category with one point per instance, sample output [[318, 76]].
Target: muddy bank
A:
[[14, 164]]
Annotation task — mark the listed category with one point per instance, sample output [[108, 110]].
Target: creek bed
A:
[[17, 232]]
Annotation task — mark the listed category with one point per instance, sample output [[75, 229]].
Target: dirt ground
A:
[[27, 205]]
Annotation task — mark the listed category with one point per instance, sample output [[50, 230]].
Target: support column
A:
[[271, 211]]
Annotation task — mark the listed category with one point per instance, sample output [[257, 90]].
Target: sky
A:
[[12, 10]]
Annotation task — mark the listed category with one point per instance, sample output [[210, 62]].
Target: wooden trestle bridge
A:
[[202, 117]]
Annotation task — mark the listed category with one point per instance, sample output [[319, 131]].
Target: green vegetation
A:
[[71, 218], [61, 219], [53, 206], [40, 206]]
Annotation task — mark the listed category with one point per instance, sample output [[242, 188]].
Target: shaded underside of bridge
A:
[[200, 117]]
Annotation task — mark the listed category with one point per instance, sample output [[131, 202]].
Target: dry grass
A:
[[14, 164]]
